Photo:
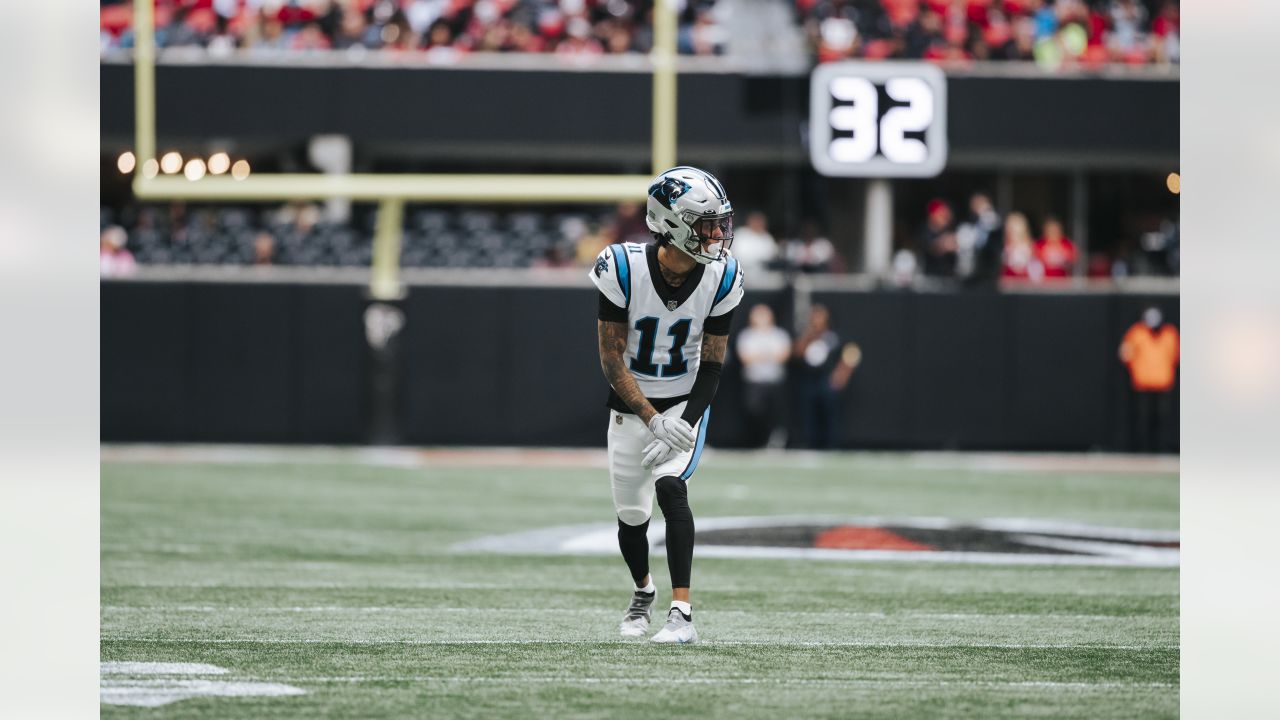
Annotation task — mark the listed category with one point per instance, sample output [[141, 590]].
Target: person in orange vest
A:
[[1150, 351]]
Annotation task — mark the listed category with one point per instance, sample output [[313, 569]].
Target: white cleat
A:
[[636, 621], [679, 629]]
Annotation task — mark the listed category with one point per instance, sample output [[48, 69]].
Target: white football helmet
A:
[[689, 207]]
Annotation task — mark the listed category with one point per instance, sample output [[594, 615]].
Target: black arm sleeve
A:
[[718, 325], [610, 312], [704, 389], [708, 377]]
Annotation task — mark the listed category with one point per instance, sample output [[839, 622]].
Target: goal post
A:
[[390, 191]]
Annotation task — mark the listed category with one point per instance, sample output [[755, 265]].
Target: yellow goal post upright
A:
[[391, 191]]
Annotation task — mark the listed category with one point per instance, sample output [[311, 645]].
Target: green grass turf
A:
[[338, 578]]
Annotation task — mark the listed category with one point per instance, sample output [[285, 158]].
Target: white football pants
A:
[[633, 484]]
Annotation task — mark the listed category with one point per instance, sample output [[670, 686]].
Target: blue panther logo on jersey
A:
[[669, 190], [602, 265]]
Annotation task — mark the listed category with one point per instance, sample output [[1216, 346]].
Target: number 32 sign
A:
[[878, 119]]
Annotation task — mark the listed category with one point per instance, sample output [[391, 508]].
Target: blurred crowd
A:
[[301, 234], [975, 246], [1053, 33], [981, 247], [439, 27]]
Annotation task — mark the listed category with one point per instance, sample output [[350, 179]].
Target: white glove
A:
[[673, 431], [657, 452]]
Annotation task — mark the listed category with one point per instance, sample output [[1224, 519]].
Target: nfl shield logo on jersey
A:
[[671, 304]]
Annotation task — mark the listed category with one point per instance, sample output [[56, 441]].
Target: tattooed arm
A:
[[714, 348], [613, 351]]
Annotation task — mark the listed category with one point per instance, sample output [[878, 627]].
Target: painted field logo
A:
[[152, 684], [1003, 541]]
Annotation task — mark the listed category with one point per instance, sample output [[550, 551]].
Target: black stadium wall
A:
[[604, 117], [289, 363]]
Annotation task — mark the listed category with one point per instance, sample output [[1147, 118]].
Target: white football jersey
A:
[[664, 347]]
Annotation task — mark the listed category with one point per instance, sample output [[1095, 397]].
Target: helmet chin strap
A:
[[678, 248]]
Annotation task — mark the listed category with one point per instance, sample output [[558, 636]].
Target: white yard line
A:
[[160, 668], [595, 457], [716, 613], [842, 682], [709, 643]]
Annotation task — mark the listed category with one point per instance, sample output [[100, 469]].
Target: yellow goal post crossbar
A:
[[392, 190]]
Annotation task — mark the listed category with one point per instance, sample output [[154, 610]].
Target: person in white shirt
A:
[[114, 259], [812, 252], [763, 349], [753, 245]]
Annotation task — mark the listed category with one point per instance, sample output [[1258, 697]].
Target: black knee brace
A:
[[633, 541], [673, 498]]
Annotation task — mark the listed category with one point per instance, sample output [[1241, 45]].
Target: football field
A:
[[313, 582]]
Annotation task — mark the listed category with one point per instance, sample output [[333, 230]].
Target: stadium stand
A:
[[1053, 33], [1050, 32], [298, 234], [436, 26]]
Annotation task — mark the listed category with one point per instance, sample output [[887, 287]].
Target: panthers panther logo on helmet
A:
[[689, 208], [667, 190]]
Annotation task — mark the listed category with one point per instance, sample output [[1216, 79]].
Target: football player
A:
[[663, 327]]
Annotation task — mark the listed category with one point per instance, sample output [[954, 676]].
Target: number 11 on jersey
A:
[[643, 361]]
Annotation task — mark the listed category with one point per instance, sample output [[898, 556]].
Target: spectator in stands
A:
[[902, 271], [310, 37], [266, 34], [1045, 18], [1165, 30], [578, 39], [923, 38], [629, 224], [1128, 31], [223, 41], [836, 39], [1056, 253], [705, 36], [1022, 43], [753, 244], [300, 214], [812, 252], [554, 257], [1019, 257], [825, 369], [264, 248], [354, 31], [978, 243], [439, 42], [1150, 350], [597, 238], [763, 348], [114, 259], [178, 31], [936, 244]]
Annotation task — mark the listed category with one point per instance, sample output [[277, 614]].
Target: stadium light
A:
[[1174, 183], [195, 169], [126, 162], [150, 168], [171, 162], [219, 163], [240, 170]]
